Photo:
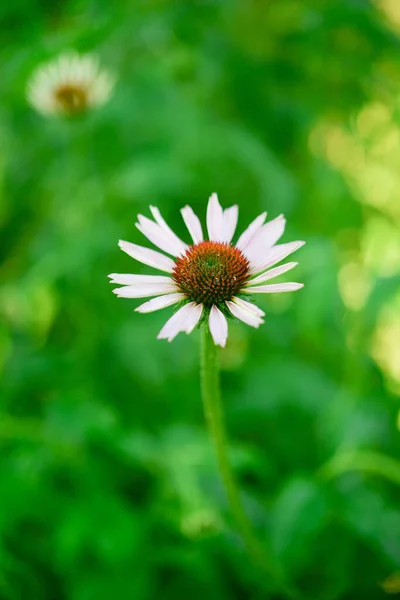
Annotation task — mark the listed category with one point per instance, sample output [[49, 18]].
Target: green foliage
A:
[[108, 483]]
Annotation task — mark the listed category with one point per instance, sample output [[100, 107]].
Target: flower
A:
[[209, 278], [69, 85]]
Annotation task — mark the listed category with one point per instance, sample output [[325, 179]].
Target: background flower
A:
[[69, 85]]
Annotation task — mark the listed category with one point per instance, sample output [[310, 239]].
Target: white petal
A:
[[185, 319], [272, 273], [271, 232], [160, 302], [215, 220], [193, 224], [158, 236], [264, 239], [251, 230], [178, 242], [147, 256], [275, 288], [218, 326], [145, 289], [230, 219], [244, 315], [248, 306], [127, 279], [193, 317], [275, 255]]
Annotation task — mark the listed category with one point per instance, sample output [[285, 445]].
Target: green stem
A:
[[210, 384]]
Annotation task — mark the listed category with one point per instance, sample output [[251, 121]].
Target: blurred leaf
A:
[[371, 463], [298, 516]]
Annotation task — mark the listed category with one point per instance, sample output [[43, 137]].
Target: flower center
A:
[[211, 272], [72, 98]]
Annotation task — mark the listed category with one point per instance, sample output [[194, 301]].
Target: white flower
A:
[[69, 85], [209, 278]]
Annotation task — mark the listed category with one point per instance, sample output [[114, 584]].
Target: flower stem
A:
[[210, 387]]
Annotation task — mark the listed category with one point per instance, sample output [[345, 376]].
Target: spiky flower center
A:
[[211, 272], [72, 98]]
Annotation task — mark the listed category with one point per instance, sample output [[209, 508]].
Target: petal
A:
[[145, 289], [147, 256], [179, 243], [249, 306], [275, 288], [185, 319], [127, 279], [215, 220], [273, 273], [244, 315], [193, 317], [158, 236], [193, 224], [160, 302], [251, 230], [275, 255], [218, 326], [264, 239], [230, 218]]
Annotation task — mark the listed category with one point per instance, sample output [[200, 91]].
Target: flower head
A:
[[209, 279], [69, 85]]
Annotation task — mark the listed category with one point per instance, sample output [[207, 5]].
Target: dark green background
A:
[[108, 484]]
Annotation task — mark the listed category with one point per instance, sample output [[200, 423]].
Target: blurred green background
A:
[[108, 483]]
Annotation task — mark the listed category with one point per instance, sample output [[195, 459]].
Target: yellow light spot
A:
[[380, 246], [391, 10], [391, 585], [385, 347], [355, 285], [368, 155], [388, 143], [372, 118], [343, 150]]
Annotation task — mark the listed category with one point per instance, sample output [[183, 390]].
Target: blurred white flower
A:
[[69, 85], [209, 278]]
